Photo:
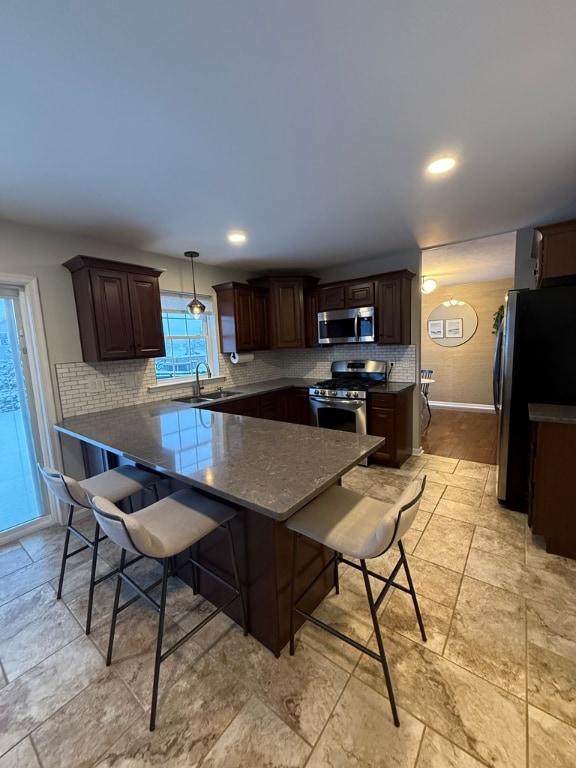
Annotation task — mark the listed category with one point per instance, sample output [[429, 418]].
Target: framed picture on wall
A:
[[454, 328], [436, 329]]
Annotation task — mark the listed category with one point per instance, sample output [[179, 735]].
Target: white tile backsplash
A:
[[89, 387]]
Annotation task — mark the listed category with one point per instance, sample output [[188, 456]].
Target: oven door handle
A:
[[336, 402]]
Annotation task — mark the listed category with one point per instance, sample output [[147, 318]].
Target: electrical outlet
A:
[[130, 381], [96, 384]]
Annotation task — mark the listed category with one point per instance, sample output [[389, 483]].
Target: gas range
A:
[[351, 379]]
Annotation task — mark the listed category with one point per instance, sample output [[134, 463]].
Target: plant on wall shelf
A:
[[498, 315]]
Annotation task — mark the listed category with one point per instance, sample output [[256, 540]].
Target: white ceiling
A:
[[308, 123], [488, 258]]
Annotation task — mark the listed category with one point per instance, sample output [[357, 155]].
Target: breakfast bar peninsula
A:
[[266, 469]]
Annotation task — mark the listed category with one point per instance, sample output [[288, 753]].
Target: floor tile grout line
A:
[[527, 655]]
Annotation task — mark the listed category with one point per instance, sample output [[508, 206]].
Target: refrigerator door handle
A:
[[496, 374]]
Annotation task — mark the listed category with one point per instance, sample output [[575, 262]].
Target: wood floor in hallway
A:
[[469, 435]]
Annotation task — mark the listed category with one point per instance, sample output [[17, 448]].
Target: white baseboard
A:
[[462, 406]]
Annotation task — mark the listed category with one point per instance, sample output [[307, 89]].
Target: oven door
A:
[[345, 415]]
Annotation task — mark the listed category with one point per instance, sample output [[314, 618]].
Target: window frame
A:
[[210, 336]]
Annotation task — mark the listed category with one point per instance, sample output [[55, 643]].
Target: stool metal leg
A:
[[115, 608], [412, 590], [158, 657], [65, 552], [378, 634], [92, 578]]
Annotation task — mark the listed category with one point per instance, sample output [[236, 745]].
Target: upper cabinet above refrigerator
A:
[[555, 254]]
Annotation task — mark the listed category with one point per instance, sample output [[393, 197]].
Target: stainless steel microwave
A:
[[344, 326]]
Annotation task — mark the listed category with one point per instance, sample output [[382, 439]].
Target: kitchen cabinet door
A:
[[360, 295], [551, 513], [299, 406], [285, 309], [382, 425], [111, 315], [332, 297], [146, 313], [242, 317], [288, 314], [390, 416], [394, 294], [273, 405], [311, 318]]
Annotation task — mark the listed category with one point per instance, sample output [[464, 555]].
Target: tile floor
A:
[[495, 685]]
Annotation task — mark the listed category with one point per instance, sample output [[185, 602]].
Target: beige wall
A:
[[40, 253], [464, 374]]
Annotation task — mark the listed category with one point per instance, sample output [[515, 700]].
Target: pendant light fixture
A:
[[428, 285], [195, 307]]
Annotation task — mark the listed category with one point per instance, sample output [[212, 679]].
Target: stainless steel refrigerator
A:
[[534, 362]]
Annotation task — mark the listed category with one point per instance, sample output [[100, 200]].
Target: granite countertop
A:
[[392, 387], [558, 414], [268, 466]]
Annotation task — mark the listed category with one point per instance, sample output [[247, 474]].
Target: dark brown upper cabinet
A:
[[242, 317], [118, 307], [346, 295], [556, 253], [311, 317], [394, 307], [286, 309]]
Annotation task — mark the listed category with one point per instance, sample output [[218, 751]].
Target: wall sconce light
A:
[[428, 285], [195, 307], [453, 303]]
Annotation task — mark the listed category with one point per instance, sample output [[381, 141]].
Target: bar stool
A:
[[363, 528], [116, 484], [162, 531], [425, 381]]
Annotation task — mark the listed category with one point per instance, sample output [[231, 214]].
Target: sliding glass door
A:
[[20, 492]]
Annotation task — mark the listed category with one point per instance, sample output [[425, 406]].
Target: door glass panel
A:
[[19, 486]]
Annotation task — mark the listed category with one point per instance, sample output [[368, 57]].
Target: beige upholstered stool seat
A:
[[115, 484], [164, 531], [352, 524], [360, 527]]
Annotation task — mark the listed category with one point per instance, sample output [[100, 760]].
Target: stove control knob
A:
[[316, 391], [355, 394], [349, 394], [334, 393]]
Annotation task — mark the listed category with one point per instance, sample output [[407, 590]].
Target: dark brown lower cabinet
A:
[[552, 512], [390, 416], [246, 406], [274, 405], [264, 552], [290, 405], [299, 406]]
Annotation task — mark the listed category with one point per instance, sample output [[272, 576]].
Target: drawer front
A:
[[382, 401]]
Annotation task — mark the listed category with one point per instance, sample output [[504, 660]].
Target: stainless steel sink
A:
[[221, 394], [192, 400]]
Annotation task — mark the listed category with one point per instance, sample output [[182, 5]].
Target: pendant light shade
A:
[[428, 285], [195, 307]]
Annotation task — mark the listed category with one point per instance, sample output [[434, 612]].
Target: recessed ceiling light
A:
[[236, 237], [442, 165]]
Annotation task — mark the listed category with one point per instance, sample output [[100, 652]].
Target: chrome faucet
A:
[[199, 386]]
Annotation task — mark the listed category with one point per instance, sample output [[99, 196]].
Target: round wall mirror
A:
[[452, 323]]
